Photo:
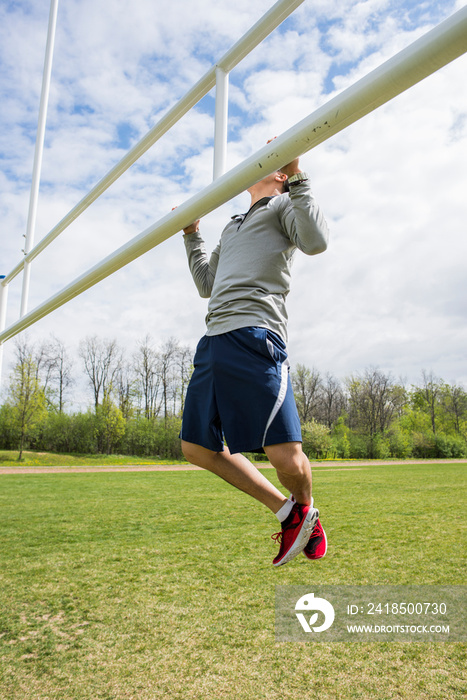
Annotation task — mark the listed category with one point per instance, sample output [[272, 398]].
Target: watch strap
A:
[[297, 179]]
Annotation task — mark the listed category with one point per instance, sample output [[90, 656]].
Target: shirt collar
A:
[[240, 218]]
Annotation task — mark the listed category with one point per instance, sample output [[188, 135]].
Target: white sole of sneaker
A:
[[302, 538]]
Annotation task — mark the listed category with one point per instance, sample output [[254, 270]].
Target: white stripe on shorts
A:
[[280, 397]]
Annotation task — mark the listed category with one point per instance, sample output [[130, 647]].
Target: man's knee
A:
[[288, 458], [190, 451], [196, 454]]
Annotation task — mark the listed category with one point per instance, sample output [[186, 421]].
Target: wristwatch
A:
[[297, 179]]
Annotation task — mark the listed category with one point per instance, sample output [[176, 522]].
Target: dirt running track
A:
[[322, 466]]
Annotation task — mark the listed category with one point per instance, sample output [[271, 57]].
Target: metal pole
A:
[[36, 172], [259, 31], [3, 306], [272, 19], [221, 122], [434, 50]]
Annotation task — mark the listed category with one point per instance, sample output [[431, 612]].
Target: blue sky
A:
[[389, 292]]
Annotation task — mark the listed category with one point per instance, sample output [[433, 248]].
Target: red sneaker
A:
[[296, 531], [317, 544]]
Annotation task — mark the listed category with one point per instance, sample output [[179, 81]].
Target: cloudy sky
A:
[[391, 289]]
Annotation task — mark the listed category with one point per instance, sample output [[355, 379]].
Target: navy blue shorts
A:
[[240, 391]]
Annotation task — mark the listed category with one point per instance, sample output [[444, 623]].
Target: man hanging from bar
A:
[[240, 392]]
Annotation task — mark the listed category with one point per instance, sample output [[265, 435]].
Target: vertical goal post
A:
[[443, 44]]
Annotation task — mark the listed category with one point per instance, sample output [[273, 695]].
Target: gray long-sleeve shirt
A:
[[247, 277]]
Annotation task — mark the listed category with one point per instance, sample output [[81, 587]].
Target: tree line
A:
[[136, 401], [371, 415], [136, 405]]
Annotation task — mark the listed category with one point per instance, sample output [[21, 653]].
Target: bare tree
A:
[[125, 389], [27, 404], [102, 360], [306, 385], [331, 401], [145, 365], [454, 402], [430, 393], [167, 357], [55, 369], [185, 367], [371, 401], [400, 397], [43, 363]]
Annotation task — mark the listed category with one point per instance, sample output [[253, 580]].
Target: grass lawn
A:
[[9, 458], [160, 585]]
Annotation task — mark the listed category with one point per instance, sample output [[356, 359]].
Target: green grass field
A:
[[160, 585], [9, 458]]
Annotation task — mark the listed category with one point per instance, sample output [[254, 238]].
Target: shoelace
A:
[[317, 531], [278, 535]]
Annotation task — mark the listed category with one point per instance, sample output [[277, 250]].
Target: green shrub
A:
[[341, 447], [139, 438], [380, 447], [359, 446], [156, 437], [57, 433], [400, 443], [167, 441], [450, 446], [109, 427], [341, 440], [424, 445], [9, 434], [316, 438]]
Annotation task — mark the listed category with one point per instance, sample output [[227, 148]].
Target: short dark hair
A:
[[285, 186]]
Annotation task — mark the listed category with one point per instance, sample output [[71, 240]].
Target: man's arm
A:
[[303, 221], [301, 217], [203, 270]]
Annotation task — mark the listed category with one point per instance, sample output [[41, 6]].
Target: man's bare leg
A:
[[294, 472], [293, 469], [238, 471]]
